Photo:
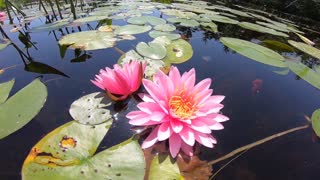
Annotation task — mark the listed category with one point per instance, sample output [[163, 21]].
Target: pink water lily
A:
[[121, 81], [179, 110], [3, 16]]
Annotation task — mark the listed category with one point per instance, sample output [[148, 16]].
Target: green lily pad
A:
[[5, 89], [90, 109], [223, 19], [164, 167], [240, 13], [51, 26], [171, 36], [90, 19], [213, 27], [132, 29], [305, 73], [89, 40], [68, 152], [262, 29], [151, 50], [179, 51], [315, 120], [4, 43], [22, 107], [137, 20], [306, 40], [254, 51], [165, 27], [146, 19], [312, 51], [272, 26], [282, 72], [153, 66], [184, 22], [277, 46]]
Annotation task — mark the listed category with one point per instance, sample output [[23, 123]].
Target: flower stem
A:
[[249, 146]]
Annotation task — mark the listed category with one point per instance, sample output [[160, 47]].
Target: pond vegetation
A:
[[157, 90]]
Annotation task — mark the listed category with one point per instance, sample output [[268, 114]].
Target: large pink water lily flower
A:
[[180, 111], [121, 81]]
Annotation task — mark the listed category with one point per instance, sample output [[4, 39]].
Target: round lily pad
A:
[[165, 27], [262, 29], [146, 19], [132, 29], [312, 51], [254, 51], [51, 26], [179, 51], [315, 120], [89, 40], [90, 19], [152, 50], [223, 19], [4, 43], [171, 36], [90, 109]]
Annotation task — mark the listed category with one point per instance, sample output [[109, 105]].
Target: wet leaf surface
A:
[[22, 107], [315, 120], [179, 51], [5, 89], [312, 51], [254, 51]]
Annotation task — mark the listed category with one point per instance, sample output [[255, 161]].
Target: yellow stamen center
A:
[[182, 106]]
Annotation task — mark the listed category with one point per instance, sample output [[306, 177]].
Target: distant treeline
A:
[[303, 8]]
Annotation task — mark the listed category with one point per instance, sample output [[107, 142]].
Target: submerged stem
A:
[[249, 146]]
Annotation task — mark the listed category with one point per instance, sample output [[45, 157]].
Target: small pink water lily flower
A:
[[3, 16], [180, 110], [121, 81]]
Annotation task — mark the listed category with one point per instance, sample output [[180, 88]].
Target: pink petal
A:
[[157, 116], [175, 77], [200, 126], [149, 107], [164, 131], [187, 135], [203, 96], [151, 139], [201, 86], [203, 139], [189, 78], [188, 150], [98, 84], [176, 125], [146, 97], [217, 98], [153, 90], [221, 118], [216, 126], [174, 144]]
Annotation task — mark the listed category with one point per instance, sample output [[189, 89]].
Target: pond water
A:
[[262, 98]]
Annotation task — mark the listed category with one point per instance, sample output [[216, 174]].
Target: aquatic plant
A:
[[180, 110], [121, 81]]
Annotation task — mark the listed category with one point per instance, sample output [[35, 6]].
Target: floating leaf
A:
[[68, 153], [4, 43], [223, 19], [305, 73], [254, 51], [5, 89], [306, 40], [277, 46], [306, 48], [90, 19], [90, 109], [165, 27], [164, 167], [193, 168], [315, 120], [171, 36], [151, 50], [184, 22], [262, 29], [22, 107], [213, 27], [179, 51], [137, 20], [51, 26], [282, 72], [89, 40], [272, 26], [132, 29], [154, 20]]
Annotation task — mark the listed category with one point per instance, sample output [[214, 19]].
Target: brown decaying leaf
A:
[[193, 168], [150, 153]]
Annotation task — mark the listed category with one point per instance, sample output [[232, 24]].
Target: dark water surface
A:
[[280, 104]]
